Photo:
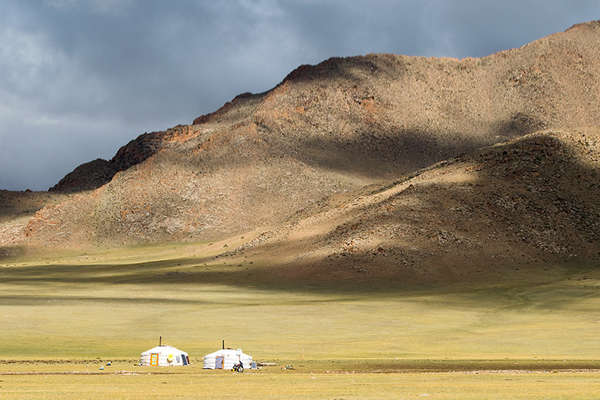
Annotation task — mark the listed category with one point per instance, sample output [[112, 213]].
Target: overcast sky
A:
[[78, 79]]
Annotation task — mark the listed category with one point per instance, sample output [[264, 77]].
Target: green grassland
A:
[[346, 339]]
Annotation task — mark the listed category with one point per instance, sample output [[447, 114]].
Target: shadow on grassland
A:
[[567, 285]]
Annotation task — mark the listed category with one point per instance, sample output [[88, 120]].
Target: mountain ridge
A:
[[147, 144], [331, 131]]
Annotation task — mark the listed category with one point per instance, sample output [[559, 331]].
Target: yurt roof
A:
[[161, 349], [225, 351]]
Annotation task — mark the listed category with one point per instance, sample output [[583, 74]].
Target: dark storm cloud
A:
[[80, 78]]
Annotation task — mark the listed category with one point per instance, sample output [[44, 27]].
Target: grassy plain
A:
[[274, 384], [345, 340]]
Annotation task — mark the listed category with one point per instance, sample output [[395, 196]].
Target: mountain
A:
[[527, 203], [401, 143]]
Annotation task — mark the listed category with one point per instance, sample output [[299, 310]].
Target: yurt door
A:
[[219, 362], [154, 359]]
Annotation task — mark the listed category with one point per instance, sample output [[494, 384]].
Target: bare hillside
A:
[[531, 201], [325, 130], [16, 210]]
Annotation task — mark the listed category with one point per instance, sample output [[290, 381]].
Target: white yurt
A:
[[164, 356], [226, 359]]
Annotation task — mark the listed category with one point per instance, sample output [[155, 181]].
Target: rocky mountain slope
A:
[[96, 173], [16, 210], [528, 202], [327, 132]]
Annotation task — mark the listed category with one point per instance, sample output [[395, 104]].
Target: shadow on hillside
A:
[[374, 155], [540, 171], [16, 204], [384, 156], [384, 152], [10, 252], [534, 191]]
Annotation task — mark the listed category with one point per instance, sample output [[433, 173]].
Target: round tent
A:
[[226, 359], [164, 356]]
